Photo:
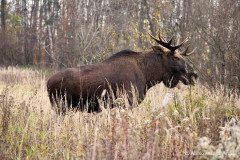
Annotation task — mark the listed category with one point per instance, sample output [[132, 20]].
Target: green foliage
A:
[[14, 22], [49, 22]]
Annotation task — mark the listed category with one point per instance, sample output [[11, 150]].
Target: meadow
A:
[[201, 123]]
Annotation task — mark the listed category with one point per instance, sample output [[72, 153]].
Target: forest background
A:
[[65, 33], [39, 37]]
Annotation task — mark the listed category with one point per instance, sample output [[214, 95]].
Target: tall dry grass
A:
[[201, 124]]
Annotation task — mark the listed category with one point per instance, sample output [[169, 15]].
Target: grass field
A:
[[202, 124]]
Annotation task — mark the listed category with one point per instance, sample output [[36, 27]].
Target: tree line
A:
[[65, 33]]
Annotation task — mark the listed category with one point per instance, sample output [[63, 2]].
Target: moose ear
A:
[[161, 50], [158, 49]]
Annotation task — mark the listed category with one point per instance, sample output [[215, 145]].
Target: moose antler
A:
[[168, 45], [170, 41], [184, 53]]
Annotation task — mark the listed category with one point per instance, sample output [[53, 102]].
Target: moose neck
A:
[[153, 68]]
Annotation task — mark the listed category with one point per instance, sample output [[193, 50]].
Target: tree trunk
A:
[[26, 37], [3, 35], [3, 18]]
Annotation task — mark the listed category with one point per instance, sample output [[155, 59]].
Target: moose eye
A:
[[176, 59], [182, 70]]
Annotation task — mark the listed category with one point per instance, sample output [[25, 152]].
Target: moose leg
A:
[[140, 91], [135, 94], [64, 102], [141, 96], [57, 101], [93, 105], [86, 104]]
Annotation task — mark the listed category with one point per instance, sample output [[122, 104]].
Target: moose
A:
[[123, 70]]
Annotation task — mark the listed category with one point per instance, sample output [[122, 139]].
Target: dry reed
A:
[[30, 129]]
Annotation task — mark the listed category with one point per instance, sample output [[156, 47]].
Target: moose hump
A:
[[123, 53]]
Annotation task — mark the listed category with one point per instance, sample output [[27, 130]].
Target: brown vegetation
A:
[[30, 129]]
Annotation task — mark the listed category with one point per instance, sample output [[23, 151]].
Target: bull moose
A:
[[123, 70]]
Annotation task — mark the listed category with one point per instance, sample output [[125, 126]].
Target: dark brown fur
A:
[[139, 69]]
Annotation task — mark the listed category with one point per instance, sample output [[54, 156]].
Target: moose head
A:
[[176, 68]]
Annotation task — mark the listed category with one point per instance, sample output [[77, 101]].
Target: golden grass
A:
[[30, 129]]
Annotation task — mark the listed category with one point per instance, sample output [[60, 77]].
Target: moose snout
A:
[[193, 78]]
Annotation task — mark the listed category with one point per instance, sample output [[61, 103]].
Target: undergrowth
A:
[[197, 124]]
